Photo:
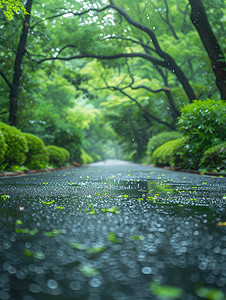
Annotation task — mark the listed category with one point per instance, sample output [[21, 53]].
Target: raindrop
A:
[[52, 284], [95, 282], [146, 270]]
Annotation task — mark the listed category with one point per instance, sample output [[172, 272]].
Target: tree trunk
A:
[[199, 19], [14, 88]]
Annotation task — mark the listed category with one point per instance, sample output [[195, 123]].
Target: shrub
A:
[[203, 125], [161, 138], [86, 158], [3, 147], [168, 154], [66, 154], [37, 156], [214, 158], [57, 156], [16, 146]]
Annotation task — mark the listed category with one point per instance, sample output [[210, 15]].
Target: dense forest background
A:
[[101, 78]]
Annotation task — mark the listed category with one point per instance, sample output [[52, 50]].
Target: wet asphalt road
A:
[[112, 231]]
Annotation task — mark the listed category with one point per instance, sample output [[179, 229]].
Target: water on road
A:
[[112, 230]]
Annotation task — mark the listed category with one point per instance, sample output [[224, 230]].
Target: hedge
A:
[[203, 125], [161, 138], [57, 155], [17, 147], [37, 156], [3, 147], [214, 158], [168, 154]]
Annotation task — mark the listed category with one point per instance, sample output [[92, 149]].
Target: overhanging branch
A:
[[5, 78], [148, 57], [79, 13]]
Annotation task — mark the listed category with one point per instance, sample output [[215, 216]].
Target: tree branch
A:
[[166, 20], [129, 39], [154, 60], [5, 78], [147, 113], [79, 13]]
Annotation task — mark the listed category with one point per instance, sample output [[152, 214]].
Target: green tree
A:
[[11, 7], [200, 20]]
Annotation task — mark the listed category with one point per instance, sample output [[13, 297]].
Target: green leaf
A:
[[137, 237], [78, 246], [52, 233], [112, 237], [48, 203], [18, 222], [210, 294], [38, 255], [95, 250], [165, 292], [33, 232], [111, 210], [88, 270]]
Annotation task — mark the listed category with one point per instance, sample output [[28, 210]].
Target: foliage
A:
[[11, 7], [17, 147], [66, 154], [86, 158], [78, 104], [168, 153], [214, 158], [3, 146], [203, 125], [57, 156], [161, 138], [37, 156]]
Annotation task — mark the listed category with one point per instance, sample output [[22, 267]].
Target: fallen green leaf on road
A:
[[112, 237], [210, 294], [165, 291], [88, 270], [38, 255], [95, 250], [50, 202], [111, 210], [78, 246], [52, 233], [137, 237]]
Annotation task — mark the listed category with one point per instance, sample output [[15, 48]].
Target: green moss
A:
[[168, 154], [37, 156], [16, 146], [214, 158]]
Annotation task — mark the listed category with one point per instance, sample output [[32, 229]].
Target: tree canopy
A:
[[103, 76]]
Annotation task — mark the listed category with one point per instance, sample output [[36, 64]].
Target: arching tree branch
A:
[[147, 114], [5, 78], [79, 13]]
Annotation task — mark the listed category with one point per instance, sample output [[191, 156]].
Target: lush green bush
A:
[[203, 125], [214, 158], [168, 154], [16, 146], [66, 154], [161, 138], [3, 147], [37, 156], [57, 157]]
